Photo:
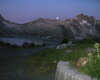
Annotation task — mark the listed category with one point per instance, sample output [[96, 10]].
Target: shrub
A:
[[65, 41], [26, 45], [92, 68], [86, 40]]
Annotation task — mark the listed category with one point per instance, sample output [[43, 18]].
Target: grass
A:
[[46, 60], [92, 68]]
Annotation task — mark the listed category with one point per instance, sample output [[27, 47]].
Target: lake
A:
[[11, 59], [19, 41]]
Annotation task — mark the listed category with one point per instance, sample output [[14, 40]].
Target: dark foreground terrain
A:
[[39, 63], [11, 64]]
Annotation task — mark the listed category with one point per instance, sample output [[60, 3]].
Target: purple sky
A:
[[21, 11]]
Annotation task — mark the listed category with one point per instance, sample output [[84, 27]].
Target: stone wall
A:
[[65, 72]]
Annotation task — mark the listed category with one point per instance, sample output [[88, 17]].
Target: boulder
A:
[[92, 50], [82, 61], [68, 51], [70, 44], [65, 72], [61, 46]]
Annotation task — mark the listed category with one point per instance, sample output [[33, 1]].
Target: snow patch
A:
[[84, 22]]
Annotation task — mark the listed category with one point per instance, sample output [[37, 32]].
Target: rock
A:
[[55, 61], [65, 72], [82, 61], [68, 51], [61, 46], [69, 43], [77, 28], [92, 50]]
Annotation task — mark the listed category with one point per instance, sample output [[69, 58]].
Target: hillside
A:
[[79, 27]]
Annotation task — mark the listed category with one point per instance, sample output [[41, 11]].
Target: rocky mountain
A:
[[79, 27]]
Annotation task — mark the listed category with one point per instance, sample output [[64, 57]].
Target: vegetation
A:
[[28, 45], [65, 40], [9, 45], [43, 61], [47, 59], [92, 68], [25, 45]]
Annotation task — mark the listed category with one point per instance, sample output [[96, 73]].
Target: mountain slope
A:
[[79, 27]]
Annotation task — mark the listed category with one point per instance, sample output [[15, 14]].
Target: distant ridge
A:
[[77, 28]]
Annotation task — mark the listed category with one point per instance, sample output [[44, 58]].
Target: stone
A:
[[92, 50], [61, 46], [82, 61], [70, 44], [55, 61], [65, 72], [69, 51], [77, 28]]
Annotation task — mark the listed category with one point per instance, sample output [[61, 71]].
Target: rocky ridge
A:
[[77, 28]]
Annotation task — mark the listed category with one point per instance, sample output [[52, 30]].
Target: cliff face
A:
[[79, 27]]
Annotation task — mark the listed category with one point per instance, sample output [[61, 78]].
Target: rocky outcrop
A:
[[77, 28], [65, 72]]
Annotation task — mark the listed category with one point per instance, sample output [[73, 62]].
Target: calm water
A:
[[36, 41]]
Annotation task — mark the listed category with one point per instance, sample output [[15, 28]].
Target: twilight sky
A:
[[21, 11]]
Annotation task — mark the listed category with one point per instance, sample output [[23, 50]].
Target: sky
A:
[[22, 11]]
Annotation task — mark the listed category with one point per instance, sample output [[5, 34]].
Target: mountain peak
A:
[[81, 17]]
